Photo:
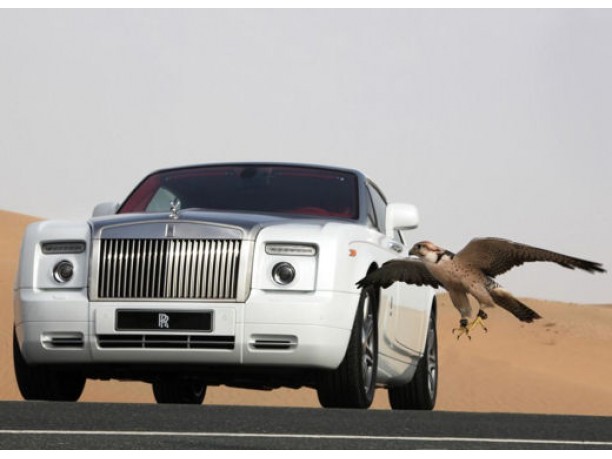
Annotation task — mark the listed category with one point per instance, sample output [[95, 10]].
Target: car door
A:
[[403, 308]]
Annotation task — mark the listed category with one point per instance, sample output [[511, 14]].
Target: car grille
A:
[[168, 269]]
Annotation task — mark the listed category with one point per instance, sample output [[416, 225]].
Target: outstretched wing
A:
[[411, 271], [495, 256]]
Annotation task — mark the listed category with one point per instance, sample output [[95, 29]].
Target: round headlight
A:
[[63, 271], [283, 273]]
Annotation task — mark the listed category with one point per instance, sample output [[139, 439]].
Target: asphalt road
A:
[[43, 425]]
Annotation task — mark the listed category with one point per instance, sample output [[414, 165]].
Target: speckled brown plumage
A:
[[471, 271]]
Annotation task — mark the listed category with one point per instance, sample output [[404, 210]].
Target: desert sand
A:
[[561, 364]]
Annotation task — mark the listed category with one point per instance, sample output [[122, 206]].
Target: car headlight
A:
[[62, 264], [63, 247], [63, 271], [283, 273], [287, 266], [300, 250]]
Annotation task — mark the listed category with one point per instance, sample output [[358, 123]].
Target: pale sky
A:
[[492, 122]]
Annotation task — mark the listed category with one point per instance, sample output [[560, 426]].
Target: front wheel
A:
[[43, 382], [353, 383], [179, 391], [420, 393]]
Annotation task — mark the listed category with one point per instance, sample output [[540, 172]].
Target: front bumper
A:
[[279, 329]]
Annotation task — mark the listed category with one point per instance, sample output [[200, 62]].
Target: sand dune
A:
[[561, 364]]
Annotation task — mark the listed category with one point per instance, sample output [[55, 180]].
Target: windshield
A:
[[295, 190]]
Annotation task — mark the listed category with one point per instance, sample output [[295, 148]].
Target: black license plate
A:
[[164, 320]]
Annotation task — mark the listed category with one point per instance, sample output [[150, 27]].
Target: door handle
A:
[[396, 247]]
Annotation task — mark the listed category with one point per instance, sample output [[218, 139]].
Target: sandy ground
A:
[[561, 364]]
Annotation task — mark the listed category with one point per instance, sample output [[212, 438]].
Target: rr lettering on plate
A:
[[163, 320]]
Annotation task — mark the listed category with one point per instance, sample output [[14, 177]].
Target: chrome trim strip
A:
[[169, 341]]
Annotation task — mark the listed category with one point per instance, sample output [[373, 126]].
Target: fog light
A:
[[63, 271], [283, 273]]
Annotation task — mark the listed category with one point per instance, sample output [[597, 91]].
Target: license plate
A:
[[164, 320]]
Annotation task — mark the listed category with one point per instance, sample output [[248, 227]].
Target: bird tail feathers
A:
[[520, 310]]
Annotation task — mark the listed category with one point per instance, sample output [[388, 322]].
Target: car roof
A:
[[264, 164]]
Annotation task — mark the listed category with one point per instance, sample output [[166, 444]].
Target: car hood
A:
[[192, 224]]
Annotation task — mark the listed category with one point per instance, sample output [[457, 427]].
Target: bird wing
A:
[[494, 256], [408, 270]]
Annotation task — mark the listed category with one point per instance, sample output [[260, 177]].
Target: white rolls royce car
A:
[[237, 274]]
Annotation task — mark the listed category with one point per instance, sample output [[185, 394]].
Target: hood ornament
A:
[[175, 206]]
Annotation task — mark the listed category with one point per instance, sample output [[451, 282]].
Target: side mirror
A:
[[401, 217], [105, 209]]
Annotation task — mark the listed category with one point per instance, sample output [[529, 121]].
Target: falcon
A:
[[471, 271]]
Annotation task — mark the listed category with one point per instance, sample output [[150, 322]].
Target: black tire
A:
[[45, 383], [179, 391], [420, 393], [353, 383]]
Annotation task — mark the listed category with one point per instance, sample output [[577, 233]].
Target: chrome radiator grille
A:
[[168, 269]]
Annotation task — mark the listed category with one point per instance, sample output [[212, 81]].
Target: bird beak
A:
[[412, 251]]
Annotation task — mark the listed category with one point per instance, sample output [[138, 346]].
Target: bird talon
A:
[[481, 318], [466, 327], [478, 321], [462, 330]]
